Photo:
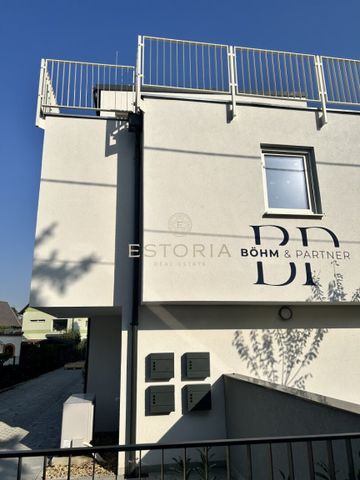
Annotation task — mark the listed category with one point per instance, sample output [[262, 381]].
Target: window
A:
[[290, 182], [60, 325]]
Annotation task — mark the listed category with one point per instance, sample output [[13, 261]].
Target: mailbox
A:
[[161, 399], [160, 366], [198, 397], [197, 365]]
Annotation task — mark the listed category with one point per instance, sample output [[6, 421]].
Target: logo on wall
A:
[[180, 224], [301, 253], [268, 250]]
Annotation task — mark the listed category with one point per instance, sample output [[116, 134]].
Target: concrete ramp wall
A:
[[255, 408]]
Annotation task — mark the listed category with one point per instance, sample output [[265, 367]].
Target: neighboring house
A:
[[206, 220], [37, 325], [10, 335]]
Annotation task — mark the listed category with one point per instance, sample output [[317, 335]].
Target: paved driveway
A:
[[30, 417]]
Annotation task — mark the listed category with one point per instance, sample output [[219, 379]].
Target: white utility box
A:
[[77, 420]]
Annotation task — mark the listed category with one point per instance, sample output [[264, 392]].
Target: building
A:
[[212, 196], [38, 325], [10, 335]]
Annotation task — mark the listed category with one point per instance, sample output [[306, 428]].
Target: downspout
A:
[[135, 125], [87, 355]]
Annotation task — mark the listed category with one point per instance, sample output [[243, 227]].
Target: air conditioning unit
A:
[[77, 420]]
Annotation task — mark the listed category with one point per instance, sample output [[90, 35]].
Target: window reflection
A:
[[286, 182]]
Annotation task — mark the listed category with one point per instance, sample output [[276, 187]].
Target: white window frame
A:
[[288, 211]]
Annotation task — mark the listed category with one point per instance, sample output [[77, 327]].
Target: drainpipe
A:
[[135, 125]]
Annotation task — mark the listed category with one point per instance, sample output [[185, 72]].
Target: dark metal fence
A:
[[333, 457]]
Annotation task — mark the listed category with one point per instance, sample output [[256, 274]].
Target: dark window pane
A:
[[60, 325], [286, 182]]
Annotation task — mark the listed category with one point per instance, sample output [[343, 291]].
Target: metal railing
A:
[[342, 78], [91, 88], [197, 67], [333, 457], [276, 74], [179, 64], [253, 72]]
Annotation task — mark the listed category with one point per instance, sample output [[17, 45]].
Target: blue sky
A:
[[94, 31]]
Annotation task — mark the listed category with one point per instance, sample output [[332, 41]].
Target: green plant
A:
[[283, 476], [203, 470], [81, 348], [179, 466], [71, 336], [325, 472]]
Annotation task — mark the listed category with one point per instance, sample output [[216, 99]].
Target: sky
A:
[[94, 31]]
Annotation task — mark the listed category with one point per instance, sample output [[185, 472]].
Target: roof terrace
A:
[[187, 67]]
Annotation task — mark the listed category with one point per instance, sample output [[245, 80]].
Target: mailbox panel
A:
[[198, 397], [161, 366], [197, 365], [161, 399]]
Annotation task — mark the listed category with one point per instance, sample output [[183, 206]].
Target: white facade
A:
[[37, 324], [215, 265], [198, 165]]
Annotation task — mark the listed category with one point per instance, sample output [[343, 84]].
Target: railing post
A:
[[233, 85], [19, 469], [228, 464], [184, 465], [350, 459], [39, 121], [322, 86], [139, 72], [44, 468]]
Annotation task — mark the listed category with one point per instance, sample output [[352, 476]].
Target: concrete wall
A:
[[84, 180], [103, 371], [226, 332], [264, 411], [203, 187]]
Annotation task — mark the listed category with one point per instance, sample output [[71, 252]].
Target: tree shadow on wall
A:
[[335, 290], [57, 273], [284, 355]]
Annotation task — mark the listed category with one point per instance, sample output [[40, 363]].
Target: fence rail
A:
[[182, 65], [69, 86], [334, 457], [268, 73], [253, 72], [342, 78]]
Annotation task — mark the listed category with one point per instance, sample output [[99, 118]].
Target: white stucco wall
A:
[[197, 164], [208, 170], [334, 371], [84, 163], [84, 225]]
